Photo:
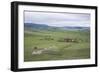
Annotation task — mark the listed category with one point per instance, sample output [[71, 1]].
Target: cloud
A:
[[57, 19]]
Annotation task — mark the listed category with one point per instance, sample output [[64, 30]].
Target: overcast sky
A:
[[57, 19]]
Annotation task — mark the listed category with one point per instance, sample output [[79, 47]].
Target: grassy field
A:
[[56, 45]]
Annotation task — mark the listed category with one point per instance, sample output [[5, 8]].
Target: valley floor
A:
[[56, 45]]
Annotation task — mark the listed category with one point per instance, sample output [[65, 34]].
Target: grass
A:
[[50, 39]]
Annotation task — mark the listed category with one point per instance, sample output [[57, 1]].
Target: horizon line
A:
[[56, 26]]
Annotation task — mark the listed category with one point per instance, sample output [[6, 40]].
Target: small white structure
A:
[[44, 50], [37, 52]]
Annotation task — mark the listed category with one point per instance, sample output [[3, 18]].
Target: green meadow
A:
[[44, 45]]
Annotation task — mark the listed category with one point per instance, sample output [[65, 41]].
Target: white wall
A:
[[5, 35]]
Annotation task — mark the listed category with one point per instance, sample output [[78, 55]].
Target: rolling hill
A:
[[46, 27]]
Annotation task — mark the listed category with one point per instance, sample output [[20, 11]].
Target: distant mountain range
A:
[[75, 28], [34, 25], [46, 27]]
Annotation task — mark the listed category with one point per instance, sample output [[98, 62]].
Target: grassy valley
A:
[[44, 43]]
